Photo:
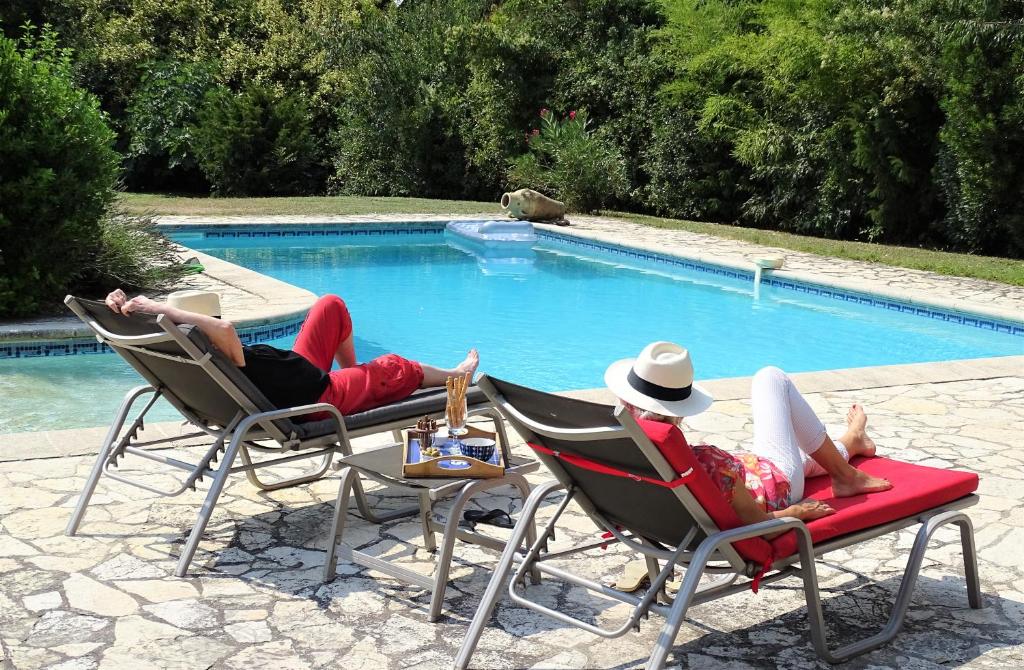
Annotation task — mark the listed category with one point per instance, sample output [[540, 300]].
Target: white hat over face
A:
[[659, 380], [199, 302]]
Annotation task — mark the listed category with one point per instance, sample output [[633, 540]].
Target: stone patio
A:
[[255, 599]]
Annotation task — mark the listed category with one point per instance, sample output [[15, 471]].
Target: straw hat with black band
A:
[[659, 380], [198, 302]]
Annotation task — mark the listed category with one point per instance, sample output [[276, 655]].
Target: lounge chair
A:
[[626, 477], [213, 395]]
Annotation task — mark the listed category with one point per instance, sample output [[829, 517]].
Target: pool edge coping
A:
[[744, 264]]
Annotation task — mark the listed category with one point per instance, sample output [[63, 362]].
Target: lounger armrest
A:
[[300, 410], [712, 542]]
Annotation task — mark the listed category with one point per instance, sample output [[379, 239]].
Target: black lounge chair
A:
[[180, 365], [619, 473]]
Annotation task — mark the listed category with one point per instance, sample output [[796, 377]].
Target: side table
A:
[[384, 465]]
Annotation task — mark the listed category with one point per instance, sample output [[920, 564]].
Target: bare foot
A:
[[856, 439], [469, 365], [858, 482]]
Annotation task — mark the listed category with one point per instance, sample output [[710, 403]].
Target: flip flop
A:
[[633, 576], [494, 517]]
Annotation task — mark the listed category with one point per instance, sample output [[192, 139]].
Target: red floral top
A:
[[766, 483]]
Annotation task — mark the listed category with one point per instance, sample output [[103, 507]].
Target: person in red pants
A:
[[303, 375]]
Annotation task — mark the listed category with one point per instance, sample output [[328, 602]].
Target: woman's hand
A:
[[807, 510], [141, 303], [115, 300]]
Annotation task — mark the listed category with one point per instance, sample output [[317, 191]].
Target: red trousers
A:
[[383, 380]]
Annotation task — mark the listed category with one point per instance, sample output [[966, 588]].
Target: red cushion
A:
[[916, 488]]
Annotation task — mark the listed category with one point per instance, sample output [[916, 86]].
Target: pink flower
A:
[[544, 111], [572, 115], [535, 132]]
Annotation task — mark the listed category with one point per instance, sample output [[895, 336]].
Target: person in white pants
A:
[[790, 441]]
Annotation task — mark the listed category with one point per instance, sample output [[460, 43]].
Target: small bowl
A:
[[480, 448]]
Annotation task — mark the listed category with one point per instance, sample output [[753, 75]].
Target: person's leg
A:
[[438, 376], [774, 436], [326, 335], [785, 425], [854, 442], [387, 379]]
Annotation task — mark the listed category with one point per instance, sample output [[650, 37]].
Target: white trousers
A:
[[786, 429]]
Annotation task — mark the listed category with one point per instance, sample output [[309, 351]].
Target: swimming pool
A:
[[553, 319]]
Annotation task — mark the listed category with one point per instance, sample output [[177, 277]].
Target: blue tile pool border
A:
[[89, 345], [963, 318], [36, 348]]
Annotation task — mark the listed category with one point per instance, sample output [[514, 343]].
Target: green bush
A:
[[160, 118], [570, 162], [256, 143], [399, 109], [56, 176]]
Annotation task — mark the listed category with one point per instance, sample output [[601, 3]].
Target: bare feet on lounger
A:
[[856, 439], [470, 364]]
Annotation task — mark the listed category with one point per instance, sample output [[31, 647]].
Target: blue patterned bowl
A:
[[480, 448]]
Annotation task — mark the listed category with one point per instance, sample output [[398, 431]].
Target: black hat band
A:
[[655, 391]]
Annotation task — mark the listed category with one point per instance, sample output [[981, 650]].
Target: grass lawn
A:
[[960, 265], [150, 203]]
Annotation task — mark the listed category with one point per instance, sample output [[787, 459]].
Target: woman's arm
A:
[[220, 332], [749, 511]]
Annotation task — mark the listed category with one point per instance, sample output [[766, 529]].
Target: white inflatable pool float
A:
[[512, 234]]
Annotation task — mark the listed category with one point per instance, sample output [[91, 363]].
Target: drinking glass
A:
[[456, 417]]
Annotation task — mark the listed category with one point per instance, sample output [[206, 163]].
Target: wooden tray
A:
[[414, 465]]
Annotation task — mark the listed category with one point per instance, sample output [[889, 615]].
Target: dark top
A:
[[285, 377]]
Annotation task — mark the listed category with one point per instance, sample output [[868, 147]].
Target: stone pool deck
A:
[[254, 598]]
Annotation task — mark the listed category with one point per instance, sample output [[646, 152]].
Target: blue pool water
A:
[[553, 321]]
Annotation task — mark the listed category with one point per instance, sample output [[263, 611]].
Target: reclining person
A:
[[790, 442], [303, 375]]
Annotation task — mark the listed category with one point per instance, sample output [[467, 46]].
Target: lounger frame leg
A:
[[451, 529], [206, 511], [314, 474], [426, 512], [349, 478], [527, 520], [808, 572], [892, 627], [109, 446]]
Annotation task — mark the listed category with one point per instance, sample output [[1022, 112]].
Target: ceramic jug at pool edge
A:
[[529, 205]]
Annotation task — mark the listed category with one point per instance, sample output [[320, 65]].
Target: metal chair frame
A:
[[713, 555], [238, 439]]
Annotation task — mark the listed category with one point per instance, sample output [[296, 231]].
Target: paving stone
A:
[[159, 590], [79, 649], [75, 664], [249, 631], [87, 594], [12, 547], [42, 601], [34, 523], [62, 627], [125, 566], [245, 615], [182, 652], [277, 655], [188, 613]]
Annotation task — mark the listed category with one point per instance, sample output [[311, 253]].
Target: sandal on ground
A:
[[493, 517], [633, 576]]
